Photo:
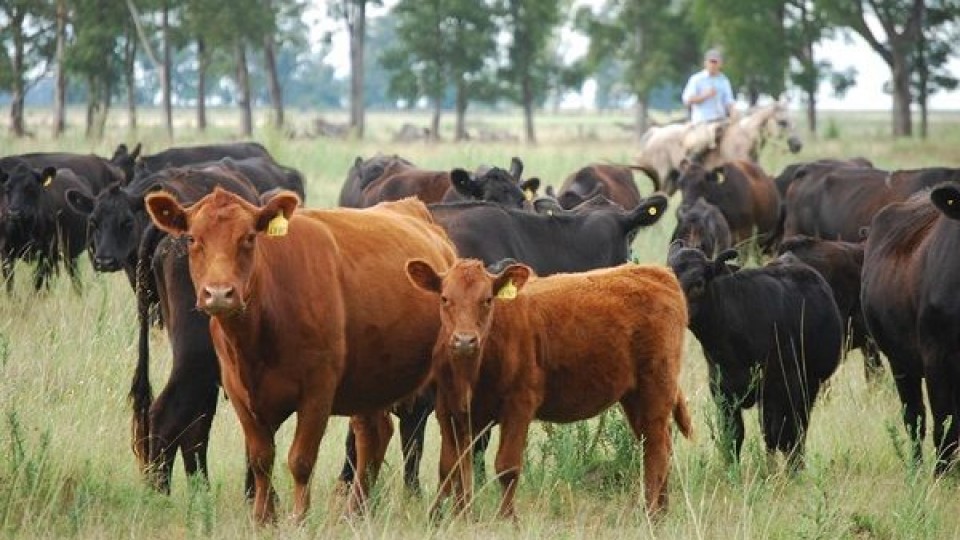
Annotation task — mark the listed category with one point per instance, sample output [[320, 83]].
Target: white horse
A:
[[745, 137], [663, 149]]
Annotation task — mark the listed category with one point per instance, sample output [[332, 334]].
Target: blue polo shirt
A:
[[714, 108]]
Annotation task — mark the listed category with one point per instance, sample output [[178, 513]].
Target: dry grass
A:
[[66, 360]]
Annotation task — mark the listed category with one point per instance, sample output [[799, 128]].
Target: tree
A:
[[753, 38], [900, 21], [60, 89], [932, 53], [452, 53], [654, 43], [29, 43], [93, 56], [530, 23], [353, 13]]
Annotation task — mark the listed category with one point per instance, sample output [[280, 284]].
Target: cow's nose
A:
[[465, 343], [217, 298], [107, 264]]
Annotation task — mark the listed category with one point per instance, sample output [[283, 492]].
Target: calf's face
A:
[[695, 271], [24, 191], [467, 295], [222, 231]]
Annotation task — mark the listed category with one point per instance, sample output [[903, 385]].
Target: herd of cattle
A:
[[470, 295]]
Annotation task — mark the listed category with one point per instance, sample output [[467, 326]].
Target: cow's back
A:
[[390, 325]]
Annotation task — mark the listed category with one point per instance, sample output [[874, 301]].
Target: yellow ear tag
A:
[[950, 202], [652, 210], [508, 291], [278, 226], [528, 193], [48, 181]]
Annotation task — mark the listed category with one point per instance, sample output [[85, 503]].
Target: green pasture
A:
[[66, 468]]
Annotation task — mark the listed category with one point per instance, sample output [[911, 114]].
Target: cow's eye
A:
[[249, 240], [444, 300], [190, 239], [488, 301]]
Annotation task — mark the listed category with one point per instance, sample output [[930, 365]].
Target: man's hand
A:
[[709, 93]]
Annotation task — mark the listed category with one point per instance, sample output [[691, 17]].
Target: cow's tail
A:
[[141, 393], [650, 173], [681, 415]]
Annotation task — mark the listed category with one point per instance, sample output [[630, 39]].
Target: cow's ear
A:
[[508, 283], [516, 168], [720, 266], [357, 162], [717, 175], [465, 184], [136, 151], [947, 199], [423, 276], [79, 201], [273, 216], [530, 187], [46, 176], [166, 213], [648, 211]]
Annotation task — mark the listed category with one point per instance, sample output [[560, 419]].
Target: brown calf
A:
[[565, 349], [317, 319]]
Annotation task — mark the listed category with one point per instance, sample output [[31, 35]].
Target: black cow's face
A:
[[695, 182], [116, 223], [946, 198], [695, 271], [493, 185], [125, 160], [25, 192]]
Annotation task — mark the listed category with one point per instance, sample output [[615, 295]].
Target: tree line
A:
[[450, 54]]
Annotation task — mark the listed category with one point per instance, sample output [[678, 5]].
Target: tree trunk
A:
[[60, 90], [527, 90], [461, 99], [357, 25], [243, 85], [641, 113], [166, 71], [202, 62], [17, 90], [91, 105], [129, 61], [901, 94], [435, 119], [812, 112], [276, 95]]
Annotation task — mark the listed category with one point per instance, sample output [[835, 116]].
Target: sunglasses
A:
[[712, 61]]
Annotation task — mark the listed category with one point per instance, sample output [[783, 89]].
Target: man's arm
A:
[[691, 98]]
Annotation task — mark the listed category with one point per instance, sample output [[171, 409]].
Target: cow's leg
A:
[[872, 365], [456, 465], [312, 419], [514, 426], [181, 418], [729, 423], [262, 452], [941, 389], [649, 411], [349, 468], [7, 268], [74, 273], [909, 388], [413, 424], [373, 433], [480, 445]]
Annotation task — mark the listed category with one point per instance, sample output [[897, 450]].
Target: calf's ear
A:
[[465, 184], [516, 168], [947, 199], [648, 211], [423, 276], [166, 213], [508, 283], [79, 201], [720, 265]]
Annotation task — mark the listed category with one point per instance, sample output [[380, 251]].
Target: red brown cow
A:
[[535, 355], [314, 317], [612, 181], [744, 194]]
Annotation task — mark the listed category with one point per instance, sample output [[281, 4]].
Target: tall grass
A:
[[66, 469]]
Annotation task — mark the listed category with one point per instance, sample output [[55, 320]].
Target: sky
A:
[[843, 52]]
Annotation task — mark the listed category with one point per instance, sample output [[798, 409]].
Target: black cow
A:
[[118, 217], [98, 172], [798, 171], [390, 178], [744, 194], [702, 226], [841, 264], [181, 416], [133, 164], [38, 225], [839, 203], [567, 241], [614, 182], [911, 275], [770, 335]]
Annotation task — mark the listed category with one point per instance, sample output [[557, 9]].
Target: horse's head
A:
[[775, 125]]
